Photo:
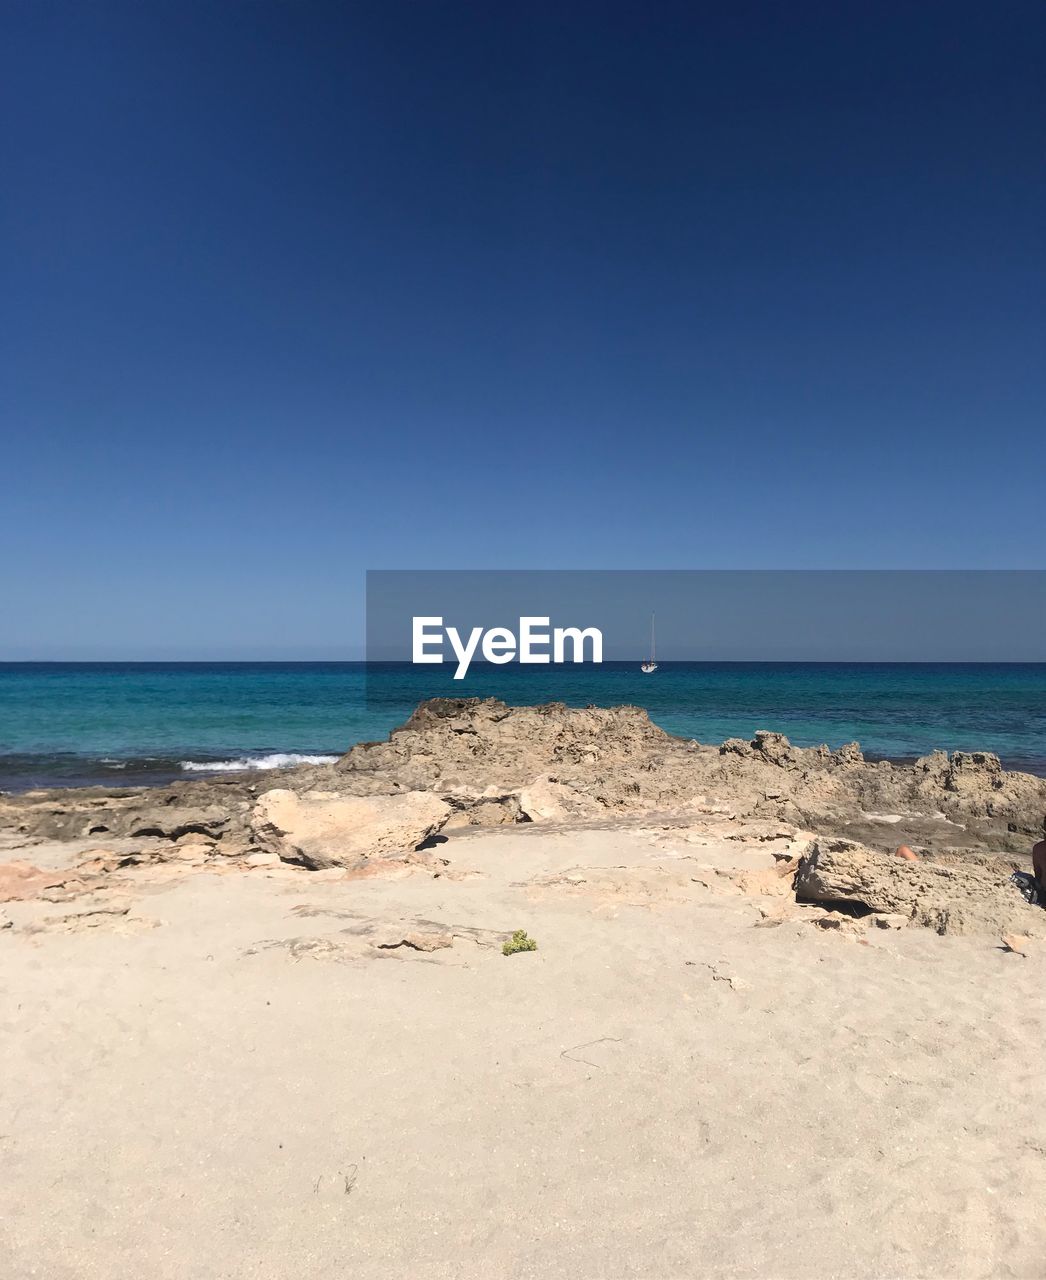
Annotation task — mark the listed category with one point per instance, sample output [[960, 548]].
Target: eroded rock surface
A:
[[569, 763], [949, 897]]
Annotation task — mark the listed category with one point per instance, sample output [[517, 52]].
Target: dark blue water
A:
[[75, 723]]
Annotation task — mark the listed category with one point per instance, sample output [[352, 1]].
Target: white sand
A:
[[250, 1088]]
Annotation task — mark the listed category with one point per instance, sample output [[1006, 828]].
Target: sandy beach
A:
[[231, 1064]]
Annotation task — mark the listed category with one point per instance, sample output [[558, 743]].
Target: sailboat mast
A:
[[651, 637]]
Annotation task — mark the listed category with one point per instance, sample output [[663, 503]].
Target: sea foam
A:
[[277, 760]]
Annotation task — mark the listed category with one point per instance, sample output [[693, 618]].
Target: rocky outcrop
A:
[[467, 741], [949, 898], [322, 829], [616, 761], [490, 763]]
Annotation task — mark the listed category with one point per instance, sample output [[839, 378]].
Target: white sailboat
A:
[[648, 667]]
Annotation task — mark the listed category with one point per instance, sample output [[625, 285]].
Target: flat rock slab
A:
[[323, 829]]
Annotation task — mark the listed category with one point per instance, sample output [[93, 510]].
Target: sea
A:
[[135, 723]]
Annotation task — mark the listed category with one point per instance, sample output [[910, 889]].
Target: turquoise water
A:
[[74, 723]]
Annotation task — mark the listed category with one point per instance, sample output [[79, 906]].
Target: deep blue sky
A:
[[294, 290]]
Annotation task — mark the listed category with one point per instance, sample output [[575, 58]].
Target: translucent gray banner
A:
[[701, 616]]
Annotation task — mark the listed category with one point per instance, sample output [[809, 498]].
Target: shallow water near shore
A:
[[75, 724]]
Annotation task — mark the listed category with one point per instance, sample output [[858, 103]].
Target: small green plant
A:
[[518, 942]]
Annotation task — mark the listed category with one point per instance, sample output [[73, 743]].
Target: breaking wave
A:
[[277, 760]]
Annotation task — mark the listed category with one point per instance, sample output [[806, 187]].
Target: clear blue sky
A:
[[294, 290]]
